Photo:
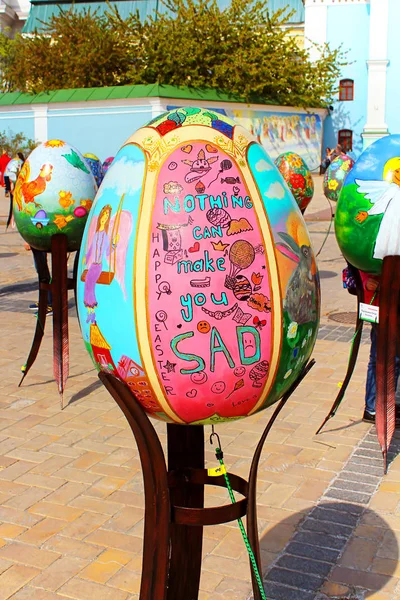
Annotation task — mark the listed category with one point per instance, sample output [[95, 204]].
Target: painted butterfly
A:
[[259, 324]]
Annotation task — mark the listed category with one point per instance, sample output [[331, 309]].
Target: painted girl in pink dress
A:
[[100, 246]]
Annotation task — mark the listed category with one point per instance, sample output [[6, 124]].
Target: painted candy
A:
[[297, 176], [367, 221], [197, 283], [53, 188], [335, 176]]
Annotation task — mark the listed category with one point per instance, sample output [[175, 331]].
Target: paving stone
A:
[[335, 516], [349, 496], [295, 579], [304, 565], [275, 591], [351, 486], [326, 527], [312, 552], [317, 539]]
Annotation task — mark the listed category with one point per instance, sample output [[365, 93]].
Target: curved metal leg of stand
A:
[[10, 212], [39, 331], [252, 529], [158, 509], [353, 354], [59, 288], [73, 282]]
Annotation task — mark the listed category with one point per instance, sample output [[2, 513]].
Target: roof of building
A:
[[97, 339], [120, 92], [42, 10]]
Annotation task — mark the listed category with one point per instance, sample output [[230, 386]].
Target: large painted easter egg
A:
[[53, 194], [298, 177], [367, 220], [95, 166], [335, 176], [197, 284]]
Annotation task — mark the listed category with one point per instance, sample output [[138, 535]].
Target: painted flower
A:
[[60, 221], [346, 165], [65, 199], [295, 161], [292, 330], [54, 144], [297, 181], [257, 278], [333, 184], [87, 204], [287, 374], [304, 342]]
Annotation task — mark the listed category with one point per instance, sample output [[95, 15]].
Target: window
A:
[[346, 89], [345, 139]]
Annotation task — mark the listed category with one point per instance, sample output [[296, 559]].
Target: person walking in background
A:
[[11, 173], [338, 151], [4, 160], [371, 296], [326, 161]]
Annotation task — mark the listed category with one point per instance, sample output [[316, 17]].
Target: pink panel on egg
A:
[[208, 288]]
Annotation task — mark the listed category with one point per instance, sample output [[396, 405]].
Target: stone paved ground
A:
[[71, 493]]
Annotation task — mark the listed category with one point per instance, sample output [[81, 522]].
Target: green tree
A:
[[16, 142], [244, 50]]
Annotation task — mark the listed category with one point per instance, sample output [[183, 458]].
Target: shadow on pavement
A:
[[339, 542], [86, 391]]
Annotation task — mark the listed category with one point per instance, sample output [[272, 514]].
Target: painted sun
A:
[[54, 144]]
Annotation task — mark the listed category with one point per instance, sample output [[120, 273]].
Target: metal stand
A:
[[59, 286], [174, 499]]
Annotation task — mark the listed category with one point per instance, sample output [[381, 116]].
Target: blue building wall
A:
[[393, 72], [101, 131], [349, 26], [18, 122]]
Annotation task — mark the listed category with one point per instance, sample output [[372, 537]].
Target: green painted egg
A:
[[335, 176], [53, 194], [367, 221]]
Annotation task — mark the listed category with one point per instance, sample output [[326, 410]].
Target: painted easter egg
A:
[[367, 220], [205, 303], [107, 164], [335, 176], [297, 176], [95, 166], [53, 194]]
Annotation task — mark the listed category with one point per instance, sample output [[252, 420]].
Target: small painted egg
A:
[[297, 176], [335, 176], [367, 219], [107, 164], [194, 291], [52, 184], [80, 211], [242, 289], [95, 166]]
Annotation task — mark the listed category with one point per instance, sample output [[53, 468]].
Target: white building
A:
[[366, 106], [13, 15]]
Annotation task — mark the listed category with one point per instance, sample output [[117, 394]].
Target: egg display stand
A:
[[174, 498], [59, 286]]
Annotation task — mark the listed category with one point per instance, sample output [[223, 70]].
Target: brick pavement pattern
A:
[[71, 490]]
